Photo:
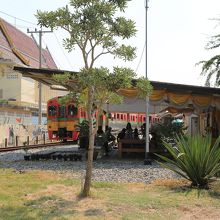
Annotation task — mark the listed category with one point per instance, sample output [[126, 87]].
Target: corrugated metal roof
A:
[[130, 104], [45, 76]]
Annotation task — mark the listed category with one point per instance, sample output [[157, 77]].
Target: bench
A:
[[131, 145]]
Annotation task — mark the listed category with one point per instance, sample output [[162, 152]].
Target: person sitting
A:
[[109, 137], [135, 134], [129, 131], [121, 134], [100, 138], [143, 130]]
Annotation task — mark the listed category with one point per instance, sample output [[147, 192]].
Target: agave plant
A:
[[194, 158]]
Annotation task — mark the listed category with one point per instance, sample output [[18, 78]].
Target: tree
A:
[[95, 29], [211, 67]]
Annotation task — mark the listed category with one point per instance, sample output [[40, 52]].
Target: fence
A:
[[16, 135]]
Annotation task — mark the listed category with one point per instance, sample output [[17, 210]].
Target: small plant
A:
[[3, 101], [25, 148], [83, 128], [194, 158]]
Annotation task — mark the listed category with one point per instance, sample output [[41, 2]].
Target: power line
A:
[[55, 59], [18, 18], [142, 53], [24, 27], [63, 51]]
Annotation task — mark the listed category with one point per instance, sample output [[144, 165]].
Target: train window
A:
[[72, 110], [62, 111], [52, 110]]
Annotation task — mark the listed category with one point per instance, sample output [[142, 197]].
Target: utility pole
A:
[[147, 160], [40, 32]]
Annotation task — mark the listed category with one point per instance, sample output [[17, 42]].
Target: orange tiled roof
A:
[[20, 48]]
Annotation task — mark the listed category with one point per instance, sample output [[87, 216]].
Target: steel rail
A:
[[6, 149]]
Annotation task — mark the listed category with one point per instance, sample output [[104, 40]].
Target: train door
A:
[[52, 123], [72, 121]]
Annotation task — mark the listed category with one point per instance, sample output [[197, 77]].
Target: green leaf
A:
[[194, 158]]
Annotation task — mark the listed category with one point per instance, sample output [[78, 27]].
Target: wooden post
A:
[[120, 149], [36, 139], [16, 141], [28, 140], [6, 142], [44, 138]]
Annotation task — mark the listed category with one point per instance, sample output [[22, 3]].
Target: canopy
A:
[[164, 94], [177, 98]]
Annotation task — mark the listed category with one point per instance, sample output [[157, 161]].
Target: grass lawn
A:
[[46, 195]]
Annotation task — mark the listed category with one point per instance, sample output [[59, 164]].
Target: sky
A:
[[177, 33]]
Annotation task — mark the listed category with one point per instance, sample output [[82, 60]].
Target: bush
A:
[[194, 158], [166, 131], [3, 101], [83, 128]]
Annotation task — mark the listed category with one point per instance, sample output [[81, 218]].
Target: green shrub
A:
[[3, 101], [166, 131], [194, 158], [83, 128]]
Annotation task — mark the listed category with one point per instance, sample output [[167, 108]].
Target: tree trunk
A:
[[88, 177]]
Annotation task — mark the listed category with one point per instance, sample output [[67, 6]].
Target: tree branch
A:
[[102, 53]]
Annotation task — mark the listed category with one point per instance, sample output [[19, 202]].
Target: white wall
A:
[[22, 132]]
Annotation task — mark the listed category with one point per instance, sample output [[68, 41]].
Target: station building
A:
[[19, 94]]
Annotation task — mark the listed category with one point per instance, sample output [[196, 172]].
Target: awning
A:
[[45, 76], [163, 94]]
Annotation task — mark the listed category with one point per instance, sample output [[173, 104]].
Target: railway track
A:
[[6, 149], [56, 155]]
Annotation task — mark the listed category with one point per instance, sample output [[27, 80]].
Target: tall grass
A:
[[194, 158]]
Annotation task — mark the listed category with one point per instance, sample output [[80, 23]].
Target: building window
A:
[[12, 76]]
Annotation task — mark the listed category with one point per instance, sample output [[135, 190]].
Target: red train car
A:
[[134, 118], [62, 119]]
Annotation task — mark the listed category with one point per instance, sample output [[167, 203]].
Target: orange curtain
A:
[[202, 100], [130, 93], [179, 98], [176, 98], [216, 100], [157, 95]]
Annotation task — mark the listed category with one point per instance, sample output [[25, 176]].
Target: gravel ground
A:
[[105, 169]]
